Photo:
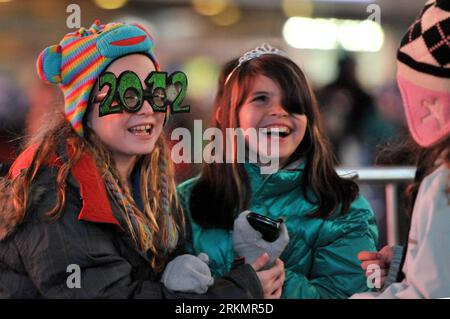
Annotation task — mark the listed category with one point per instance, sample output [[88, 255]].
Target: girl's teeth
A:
[[141, 130], [279, 130]]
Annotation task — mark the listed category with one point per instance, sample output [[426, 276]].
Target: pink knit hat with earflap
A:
[[423, 74]]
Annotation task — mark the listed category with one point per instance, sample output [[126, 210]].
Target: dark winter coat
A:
[[37, 254]]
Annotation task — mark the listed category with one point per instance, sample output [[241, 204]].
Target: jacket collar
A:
[[96, 206], [280, 182]]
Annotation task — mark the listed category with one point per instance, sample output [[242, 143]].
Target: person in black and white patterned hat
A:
[[423, 75]]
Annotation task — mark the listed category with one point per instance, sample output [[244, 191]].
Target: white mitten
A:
[[248, 242], [188, 273]]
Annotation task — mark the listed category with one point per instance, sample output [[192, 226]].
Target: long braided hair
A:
[[156, 230], [161, 215]]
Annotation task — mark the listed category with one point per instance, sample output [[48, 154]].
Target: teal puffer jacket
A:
[[321, 257]]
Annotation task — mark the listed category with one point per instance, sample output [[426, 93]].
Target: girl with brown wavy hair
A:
[[327, 220]]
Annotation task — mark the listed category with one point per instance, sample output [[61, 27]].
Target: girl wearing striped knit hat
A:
[[89, 207]]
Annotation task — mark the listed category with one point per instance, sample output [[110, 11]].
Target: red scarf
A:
[[96, 206]]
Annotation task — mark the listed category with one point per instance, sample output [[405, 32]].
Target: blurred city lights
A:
[[297, 8], [202, 73], [330, 34], [230, 15], [307, 33], [110, 4], [349, 1], [361, 36], [209, 7]]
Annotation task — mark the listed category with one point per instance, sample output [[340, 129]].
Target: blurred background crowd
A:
[[346, 47]]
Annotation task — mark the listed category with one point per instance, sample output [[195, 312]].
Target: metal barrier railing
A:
[[390, 177]]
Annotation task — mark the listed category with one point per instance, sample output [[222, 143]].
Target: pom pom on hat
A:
[[49, 64]]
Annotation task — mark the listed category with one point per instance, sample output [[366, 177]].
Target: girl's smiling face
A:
[[263, 108], [128, 134]]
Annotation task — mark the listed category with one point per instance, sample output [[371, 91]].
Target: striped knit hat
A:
[[78, 60], [423, 74]]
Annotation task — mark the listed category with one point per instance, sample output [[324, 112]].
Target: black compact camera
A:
[[269, 228]]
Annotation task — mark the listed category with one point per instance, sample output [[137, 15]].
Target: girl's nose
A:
[[146, 109], [277, 109]]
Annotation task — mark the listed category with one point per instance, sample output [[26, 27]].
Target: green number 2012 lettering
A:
[[127, 91]]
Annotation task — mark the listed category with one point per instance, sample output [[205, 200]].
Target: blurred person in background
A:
[[13, 112], [347, 111]]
